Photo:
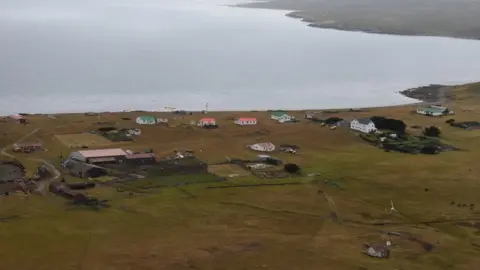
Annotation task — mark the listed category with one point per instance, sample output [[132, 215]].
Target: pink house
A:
[[17, 118], [246, 121]]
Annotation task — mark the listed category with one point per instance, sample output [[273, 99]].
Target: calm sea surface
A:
[[100, 55]]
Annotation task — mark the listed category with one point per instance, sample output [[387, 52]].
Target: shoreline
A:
[[303, 16], [425, 95]]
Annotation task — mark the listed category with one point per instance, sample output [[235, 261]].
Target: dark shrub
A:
[[450, 121], [390, 124], [432, 131], [291, 168], [332, 120]]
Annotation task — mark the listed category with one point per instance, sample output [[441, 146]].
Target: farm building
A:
[[310, 115], [141, 159], [146, 120], [84, 170], [246, 121], [17, 118], [435, 111], [206, 122], [27, 147], [364, 125], [100, 156], [281, 116], [262, 147]]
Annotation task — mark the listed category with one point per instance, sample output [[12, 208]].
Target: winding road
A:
[[43, 184]]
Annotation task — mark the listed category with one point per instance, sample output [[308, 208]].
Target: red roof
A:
[[16, 116], [247, 119], [207, 119]]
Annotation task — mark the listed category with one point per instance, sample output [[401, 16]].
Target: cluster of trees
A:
[[432, 131], [390, 124]]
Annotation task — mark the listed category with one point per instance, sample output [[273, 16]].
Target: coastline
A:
[[307, 15], [424, 95]]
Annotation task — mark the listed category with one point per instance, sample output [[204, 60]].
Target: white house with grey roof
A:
[[364, 125]]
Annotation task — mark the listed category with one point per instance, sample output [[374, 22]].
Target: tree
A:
[[450, 121], [291, 168], [391, 124], [432, 131]]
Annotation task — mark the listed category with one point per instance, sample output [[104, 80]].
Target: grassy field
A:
[[81, 139], [258, 227]]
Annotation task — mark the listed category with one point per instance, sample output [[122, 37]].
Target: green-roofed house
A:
[[434, 111], [281, 116], [146, 120]]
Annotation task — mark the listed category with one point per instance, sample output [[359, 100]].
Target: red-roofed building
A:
[[99, 156], [246, 121], [207, 122], [17, 118]]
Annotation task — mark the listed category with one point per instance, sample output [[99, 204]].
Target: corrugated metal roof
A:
[[101, 159], [103, 153]]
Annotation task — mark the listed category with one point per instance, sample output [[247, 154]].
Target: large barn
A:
[[99, 156]]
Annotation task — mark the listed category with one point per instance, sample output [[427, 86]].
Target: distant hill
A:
[[451, 18]]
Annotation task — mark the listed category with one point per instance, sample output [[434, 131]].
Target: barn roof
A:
[[103, 153]]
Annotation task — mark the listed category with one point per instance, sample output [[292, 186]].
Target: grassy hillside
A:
[[453, 18], [268, 227]]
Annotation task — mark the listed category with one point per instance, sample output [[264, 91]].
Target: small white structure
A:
[[364, 125], [134, 132], [206, 122], [262, 147], [246, 121]]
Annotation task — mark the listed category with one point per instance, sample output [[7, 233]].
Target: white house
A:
[[281, 116], [206, 122], [246, 121], [435, 111], [364, 125]]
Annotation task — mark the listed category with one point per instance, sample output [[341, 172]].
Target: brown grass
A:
[[81, 139], [270, 227], [227, 169]]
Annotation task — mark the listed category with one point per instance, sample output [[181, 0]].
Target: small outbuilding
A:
[[206, 122], [27, 147], [246, 121], [17, 118]]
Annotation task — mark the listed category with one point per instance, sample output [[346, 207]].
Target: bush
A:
[[291, 168], [432, 131], [450, 121], [390, 124], [332, 120]]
